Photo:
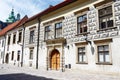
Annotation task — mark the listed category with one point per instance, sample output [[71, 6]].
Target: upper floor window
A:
[[81, 55], [47, 32], [9, 40], [14, 38], [58, 30], [105, 18], [31, 40], [82, 24], [103, 54], [20, 37]]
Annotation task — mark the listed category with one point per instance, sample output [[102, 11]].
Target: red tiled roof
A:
[[13, 26], [52, 8]]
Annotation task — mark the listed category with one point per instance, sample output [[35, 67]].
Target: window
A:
[[2, 43], [20, 37], [106, 18], [31, 54], [9, 40], [14, 38], [18, 56], [31, 37], [82, 24], [103, 54], [81, 55], [58, 30], [1, 55], [47, 32], [12, 57]]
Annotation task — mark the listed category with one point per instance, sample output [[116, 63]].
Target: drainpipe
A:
[[4, 50], [38, 43], [23, 45]]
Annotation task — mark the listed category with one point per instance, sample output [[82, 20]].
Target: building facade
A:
[[75, 34], [12, 43]]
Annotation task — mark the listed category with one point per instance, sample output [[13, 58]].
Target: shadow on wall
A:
[[22, 76]]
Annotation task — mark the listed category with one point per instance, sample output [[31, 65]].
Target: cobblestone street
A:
[[8, 72]]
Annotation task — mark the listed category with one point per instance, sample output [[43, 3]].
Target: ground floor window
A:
[[31, 54], [12, 57], [18, 56], [103, 54], [81, 55]]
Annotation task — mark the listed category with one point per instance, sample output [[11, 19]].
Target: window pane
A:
[[106, 48], [101, 59], [100, 48], [84, 58], [110, 23], [80, 58], [107, 57]]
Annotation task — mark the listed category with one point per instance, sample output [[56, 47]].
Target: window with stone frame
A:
[[31, 40], [12, 57], [58, 30], [20, 36], [105, 18], [18, 55], [31, 54], [103, 54], [82, 24], [9, 37], [47, 32], [14, 38], [81, 55]]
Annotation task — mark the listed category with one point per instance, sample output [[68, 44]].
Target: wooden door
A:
[[55, 60]]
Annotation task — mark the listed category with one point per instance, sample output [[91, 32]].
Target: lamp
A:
[[86, 39]]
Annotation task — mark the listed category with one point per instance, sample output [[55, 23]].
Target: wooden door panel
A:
[[55, 61]]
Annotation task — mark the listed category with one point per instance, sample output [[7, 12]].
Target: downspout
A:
[[4, 50], [23, 45], [38, 43]]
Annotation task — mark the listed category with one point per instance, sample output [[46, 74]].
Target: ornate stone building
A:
[[76, 35]]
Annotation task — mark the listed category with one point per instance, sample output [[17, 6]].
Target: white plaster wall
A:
[[2, 39]]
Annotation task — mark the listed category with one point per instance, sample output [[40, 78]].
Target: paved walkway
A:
[[8, 72]]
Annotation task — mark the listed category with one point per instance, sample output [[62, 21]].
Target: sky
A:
[[24, 7]]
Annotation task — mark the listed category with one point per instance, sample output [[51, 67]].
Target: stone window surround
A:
[[21, 36], [31, 48], [32, 29], [104, 6], [79, 45], [52, 24], [15, 37], [78, 14], [8, 41], [100, 43], [58, 28]]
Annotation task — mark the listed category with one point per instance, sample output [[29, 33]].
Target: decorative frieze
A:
[[116, 6], [92, 19]]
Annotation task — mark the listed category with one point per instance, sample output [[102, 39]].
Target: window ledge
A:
[[104, 63], [81, 63], [106, 29], [85, 33]]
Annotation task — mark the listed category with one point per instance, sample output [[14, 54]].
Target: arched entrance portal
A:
[[55, 60], [7, 58]]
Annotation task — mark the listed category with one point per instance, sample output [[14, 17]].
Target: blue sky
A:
[[24, 7]]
